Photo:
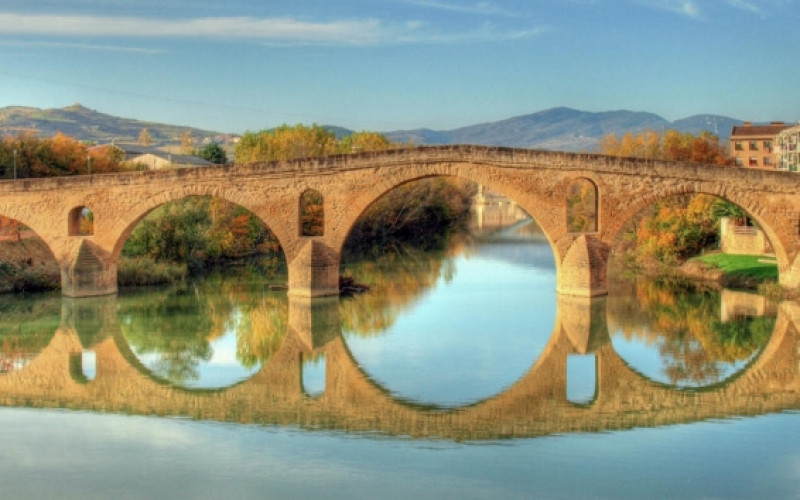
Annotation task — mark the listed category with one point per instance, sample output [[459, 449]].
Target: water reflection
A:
[[453, 328], [206, 334], [468, 343], [548, 395], [678, 335], [26, 327]]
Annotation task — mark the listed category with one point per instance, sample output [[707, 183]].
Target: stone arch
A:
[[312, 213], [468, 172], [125, 225], [582, 202], [80, 221], [613, 227], [16, 229]]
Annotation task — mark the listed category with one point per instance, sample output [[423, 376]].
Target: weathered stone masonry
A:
[[537, 180]]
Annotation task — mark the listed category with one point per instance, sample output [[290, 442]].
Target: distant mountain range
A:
[[564, 129], [554, 129]]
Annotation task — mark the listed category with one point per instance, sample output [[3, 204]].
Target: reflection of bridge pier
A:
[[537, 404]]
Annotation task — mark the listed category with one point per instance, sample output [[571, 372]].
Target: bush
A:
[[143, 271]]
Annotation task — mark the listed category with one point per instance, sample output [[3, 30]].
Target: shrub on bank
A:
[[143, 271], [17, 279]]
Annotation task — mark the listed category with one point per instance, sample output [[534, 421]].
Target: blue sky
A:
[[384, 65]]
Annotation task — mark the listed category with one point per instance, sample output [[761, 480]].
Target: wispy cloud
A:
[[285, 29], [682, 7], [748, 6], [80, 46], [276, 31], [480, 8], [764, 8]]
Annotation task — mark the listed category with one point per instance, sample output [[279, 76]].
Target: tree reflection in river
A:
[[397, 280], [26, 329], [205, 326], [684, 324]]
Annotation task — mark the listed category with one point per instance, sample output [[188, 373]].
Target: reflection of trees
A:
[[684, 323], [26, 328], [177, 325], [262, 333], [397, 280]]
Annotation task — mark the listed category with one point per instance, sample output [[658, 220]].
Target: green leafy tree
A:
[[214, 153]]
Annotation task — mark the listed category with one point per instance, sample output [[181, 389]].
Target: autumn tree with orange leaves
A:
[[682, 227], [671, 145]]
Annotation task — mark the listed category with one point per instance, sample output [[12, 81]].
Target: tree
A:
[[214, 153], [285, 143], [59, 155], [672, 145], [300, 141], [187, 142], [144, 137]]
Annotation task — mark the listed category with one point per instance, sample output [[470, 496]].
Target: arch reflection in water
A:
[[209, 334], [685, 337], [25, 329], [459, 326], [535, 405]]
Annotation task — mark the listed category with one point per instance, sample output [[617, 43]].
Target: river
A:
[[460, 374]]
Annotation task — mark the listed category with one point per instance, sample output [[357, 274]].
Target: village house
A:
[[754, 145], [786, 148], [148, 158]]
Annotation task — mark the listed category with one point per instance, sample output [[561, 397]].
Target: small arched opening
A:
[[312, 213], [582, 202], [81, 221]]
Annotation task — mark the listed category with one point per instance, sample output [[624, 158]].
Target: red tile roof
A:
[[758, 130]]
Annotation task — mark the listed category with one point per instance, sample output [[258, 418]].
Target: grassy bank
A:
[[738, 271]]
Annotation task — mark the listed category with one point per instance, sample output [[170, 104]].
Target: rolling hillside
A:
[[89, 125], [554, 129]]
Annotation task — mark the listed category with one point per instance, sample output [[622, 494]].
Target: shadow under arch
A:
[[539, 211], [29, 262]]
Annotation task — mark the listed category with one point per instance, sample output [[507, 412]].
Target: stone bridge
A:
[[536, 404], [539, 181]]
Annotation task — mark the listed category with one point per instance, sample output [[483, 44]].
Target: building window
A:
[[752, 161], [739, 162], [767, 161], [739, 146], [753, 145], [768, 145]]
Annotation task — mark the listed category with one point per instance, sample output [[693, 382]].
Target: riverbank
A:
[[718, 270], [26, 264]]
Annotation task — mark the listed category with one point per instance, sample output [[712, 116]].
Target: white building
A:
[[787, 149]]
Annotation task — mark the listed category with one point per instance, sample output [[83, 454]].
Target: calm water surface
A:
[[461, 374]]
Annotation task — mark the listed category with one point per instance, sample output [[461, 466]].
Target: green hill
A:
[[88, 125]]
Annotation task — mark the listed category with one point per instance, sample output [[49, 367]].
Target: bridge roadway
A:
[[535, 405], [538, 180]]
